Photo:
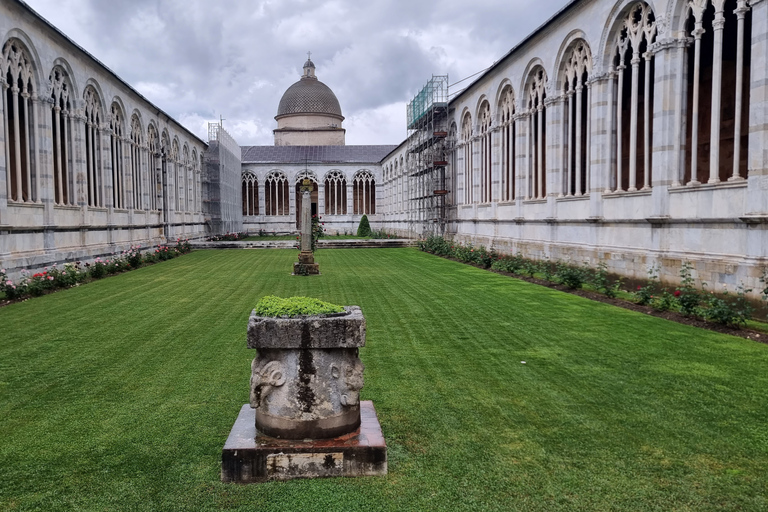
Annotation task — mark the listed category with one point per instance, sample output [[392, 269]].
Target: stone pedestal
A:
[[305, 419], [306, 261], [250, 457]]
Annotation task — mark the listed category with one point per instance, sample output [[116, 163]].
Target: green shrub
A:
[[97, 269], [663, 301], [687, 295], [602, 283], [570, 276], [273, 306], [731, 313], [436, 245], [644, 294], [364, 229], [510, 264]]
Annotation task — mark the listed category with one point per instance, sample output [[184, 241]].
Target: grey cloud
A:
[[203, 59]]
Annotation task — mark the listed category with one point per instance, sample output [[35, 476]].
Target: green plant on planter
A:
[[273, 306]]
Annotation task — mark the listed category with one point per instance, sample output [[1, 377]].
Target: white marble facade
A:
[[630, 132], [577, 144], [88, 166]]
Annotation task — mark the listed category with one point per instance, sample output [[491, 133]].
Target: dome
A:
[[309, 96]]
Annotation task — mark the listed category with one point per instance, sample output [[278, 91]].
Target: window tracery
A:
[[18, 105], [485, 152], [468, 168], [93, 148], [62, 124], [364, 193], [137, 178], [116, 153], [508, 154], [633, 160], [335, 193], [276, 193], [577, 120], [537, 131], [717, 92], [250, 194]]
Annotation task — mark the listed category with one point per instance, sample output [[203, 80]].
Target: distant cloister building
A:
[[629, 132], [310, 144]]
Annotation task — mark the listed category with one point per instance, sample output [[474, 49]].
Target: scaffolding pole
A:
[[428, 150]]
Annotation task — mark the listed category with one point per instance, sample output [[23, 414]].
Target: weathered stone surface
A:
[[308, 393], [343, 330], [249, 456], [306, 380]]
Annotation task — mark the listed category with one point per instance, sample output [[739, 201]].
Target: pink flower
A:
[[50, 278], [677, 293], [9, 283]]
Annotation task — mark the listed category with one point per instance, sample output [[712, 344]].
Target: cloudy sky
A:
[[199, 60]]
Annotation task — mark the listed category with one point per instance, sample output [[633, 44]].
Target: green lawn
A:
[[119, 394]]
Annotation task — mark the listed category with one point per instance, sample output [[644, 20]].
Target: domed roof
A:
[[309, 96]]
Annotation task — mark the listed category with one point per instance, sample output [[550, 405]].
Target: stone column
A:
[[4, 155], [600, 139], [740, 11], [717, 79], [757, 194], [578, 151], [633, 122], [619, 120]]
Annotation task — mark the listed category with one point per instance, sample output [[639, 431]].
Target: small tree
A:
[[364, 229]]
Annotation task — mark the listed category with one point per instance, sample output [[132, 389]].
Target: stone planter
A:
[[306, 379]]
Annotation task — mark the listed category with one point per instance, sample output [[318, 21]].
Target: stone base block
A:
[[306, 257], [312, 268], [249, 456]]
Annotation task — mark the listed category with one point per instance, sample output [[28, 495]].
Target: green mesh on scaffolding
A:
[[435, 93]]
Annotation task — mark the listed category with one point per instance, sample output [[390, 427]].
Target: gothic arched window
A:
[[576, 148], [250, 194], [633, 106], [536, 188], [20, 127], [364, 193], [62, 123], [276, 194], [335, 193], [93, 148]]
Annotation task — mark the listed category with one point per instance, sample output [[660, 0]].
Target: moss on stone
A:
[[294, 306]]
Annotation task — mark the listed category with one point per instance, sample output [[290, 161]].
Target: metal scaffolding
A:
[[428, 150]]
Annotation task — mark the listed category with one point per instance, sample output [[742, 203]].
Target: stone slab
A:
[[250, 457], [343, 330]]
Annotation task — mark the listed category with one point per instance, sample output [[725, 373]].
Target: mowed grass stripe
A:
[[118, 395]]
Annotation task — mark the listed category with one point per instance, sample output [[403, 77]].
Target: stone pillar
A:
[[4, 156], [668, 118], [600, 138], [757, 194]]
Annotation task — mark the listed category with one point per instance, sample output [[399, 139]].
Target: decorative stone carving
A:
[[306, 380]]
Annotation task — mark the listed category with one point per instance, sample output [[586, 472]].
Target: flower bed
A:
[[728, 308], [72, 274]]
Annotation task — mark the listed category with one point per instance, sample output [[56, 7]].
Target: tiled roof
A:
[[315, 154], [309, 96]]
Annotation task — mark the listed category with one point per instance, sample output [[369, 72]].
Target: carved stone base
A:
[[249, 456], [312, 269], [306, 257]]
